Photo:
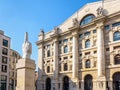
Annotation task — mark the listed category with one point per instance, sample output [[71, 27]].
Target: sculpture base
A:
[[25, 74]]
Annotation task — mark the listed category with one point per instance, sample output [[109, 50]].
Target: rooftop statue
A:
[[100, 11], [26, 47]]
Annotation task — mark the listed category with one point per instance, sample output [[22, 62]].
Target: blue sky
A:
[[20, 16]]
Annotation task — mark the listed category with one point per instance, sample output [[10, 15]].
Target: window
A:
[[4, 68], [87, 44], [48, 53], [5, 43], [71, 39], [65, 49], [107, 27], [4, 59], [60, 42], [65, 40], [65, 67], [48, 69], [116, 36], [94, 31], [65, 58], [117, 59], [87, 19], [4, 51], [3, 82], [48, 46], [116, 24], [87, 33], [81, 36], [87, 64]]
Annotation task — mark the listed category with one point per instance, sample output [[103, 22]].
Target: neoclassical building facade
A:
[[83, 53]]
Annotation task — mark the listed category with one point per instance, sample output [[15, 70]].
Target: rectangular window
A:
[[71, 39], [4, 68], [94, 31], [60, 42], [5, 43], [48, 46], [65, 58], [87, 33], [116, 24], [3, 82], [4, 51], [65, 40], [107, 27], [81, 36], [4, 59]]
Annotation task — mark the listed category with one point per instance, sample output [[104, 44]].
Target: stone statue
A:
[[100, 11], [26, 47], [75, 22]]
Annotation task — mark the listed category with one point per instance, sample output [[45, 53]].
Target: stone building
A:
[[4, 60], [83, 53], [13, 59]]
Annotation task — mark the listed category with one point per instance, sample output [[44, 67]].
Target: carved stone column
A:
[[40, 67], [75, 55], [41, 56], [56, 65], [101, 58], [100, 50], [75, 64]]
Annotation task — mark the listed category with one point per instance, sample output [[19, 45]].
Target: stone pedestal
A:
[[101, 83], [25, 74]]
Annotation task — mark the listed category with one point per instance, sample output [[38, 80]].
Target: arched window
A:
[[48, 53], [87, 19], [87, 64], [65, 67], [117, 59], [116, 36], [65, 49], [48, 69], [87, 44], [48, 84], [88, 82], [66, 83], [116, 81]]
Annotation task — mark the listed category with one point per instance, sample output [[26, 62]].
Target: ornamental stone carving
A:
[[99, 11], [75, 21]]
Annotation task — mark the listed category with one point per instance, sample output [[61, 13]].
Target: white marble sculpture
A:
[[26, 47]]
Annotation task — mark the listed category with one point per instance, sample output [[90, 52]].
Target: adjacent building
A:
[[83, 53], [4, 61], [13, 59]]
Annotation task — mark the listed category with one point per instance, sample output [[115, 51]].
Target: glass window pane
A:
[[116, 36], [87, 44], [116, 24], [87, 19], [5, 43]]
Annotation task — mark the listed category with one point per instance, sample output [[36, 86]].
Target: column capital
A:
[[100, 25], [75, 33]]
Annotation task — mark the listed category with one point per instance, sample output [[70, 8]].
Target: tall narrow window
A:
[[48, 53], [5, 43], [116, 36], [87, 63], [65, 67], [87, 44], [48, 69], [117, 59], [65, 49], [5, 51]]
